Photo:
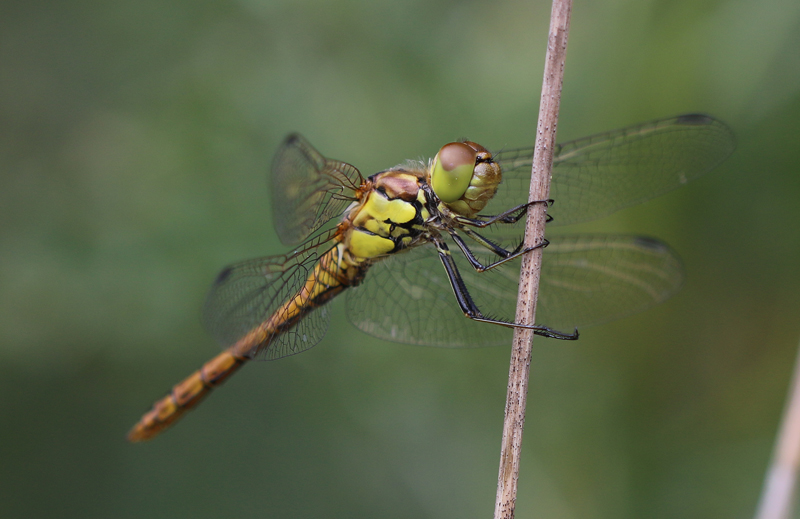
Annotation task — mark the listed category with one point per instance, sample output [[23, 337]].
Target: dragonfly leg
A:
[[509, 216], [505, 255], [472, 311]]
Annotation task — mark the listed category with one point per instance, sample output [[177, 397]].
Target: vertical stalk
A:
[[518, 374], [780, 485]]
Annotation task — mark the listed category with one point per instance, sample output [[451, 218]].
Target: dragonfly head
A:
[[464, 176]]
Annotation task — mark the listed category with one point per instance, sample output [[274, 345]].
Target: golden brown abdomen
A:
[[185, 395], [325, 281]]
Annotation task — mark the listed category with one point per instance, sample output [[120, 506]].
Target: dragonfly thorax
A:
[[389, 217]]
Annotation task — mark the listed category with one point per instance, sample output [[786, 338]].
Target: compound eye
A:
[[452, 171]]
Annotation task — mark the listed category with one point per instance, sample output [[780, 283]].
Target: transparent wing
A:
[[308, 190], [586, 280], [407, 298], [593, 279], [246, 294], [596, 176]]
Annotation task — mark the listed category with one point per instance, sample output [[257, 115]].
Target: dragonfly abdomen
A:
[[334, 272], [331, 274], [185, 395]]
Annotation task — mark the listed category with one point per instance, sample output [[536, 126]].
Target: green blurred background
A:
[[135, 139]]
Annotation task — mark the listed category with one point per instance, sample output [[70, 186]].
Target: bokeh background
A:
[[135, 140]]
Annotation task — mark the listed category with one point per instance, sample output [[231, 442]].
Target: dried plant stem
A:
[[532, 262], [777, 497]]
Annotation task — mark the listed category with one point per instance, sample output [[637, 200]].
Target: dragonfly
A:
[[403, 242]]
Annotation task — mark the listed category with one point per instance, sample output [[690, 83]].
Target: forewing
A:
[[596, 176], [586, 280], [308, 190], [246, 294]]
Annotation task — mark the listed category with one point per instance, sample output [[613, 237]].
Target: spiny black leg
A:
[[546, 331], [514, 218], [456, 282], [485, 242], [543, 331], [508, 216], [506, 255], [471, 310]]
